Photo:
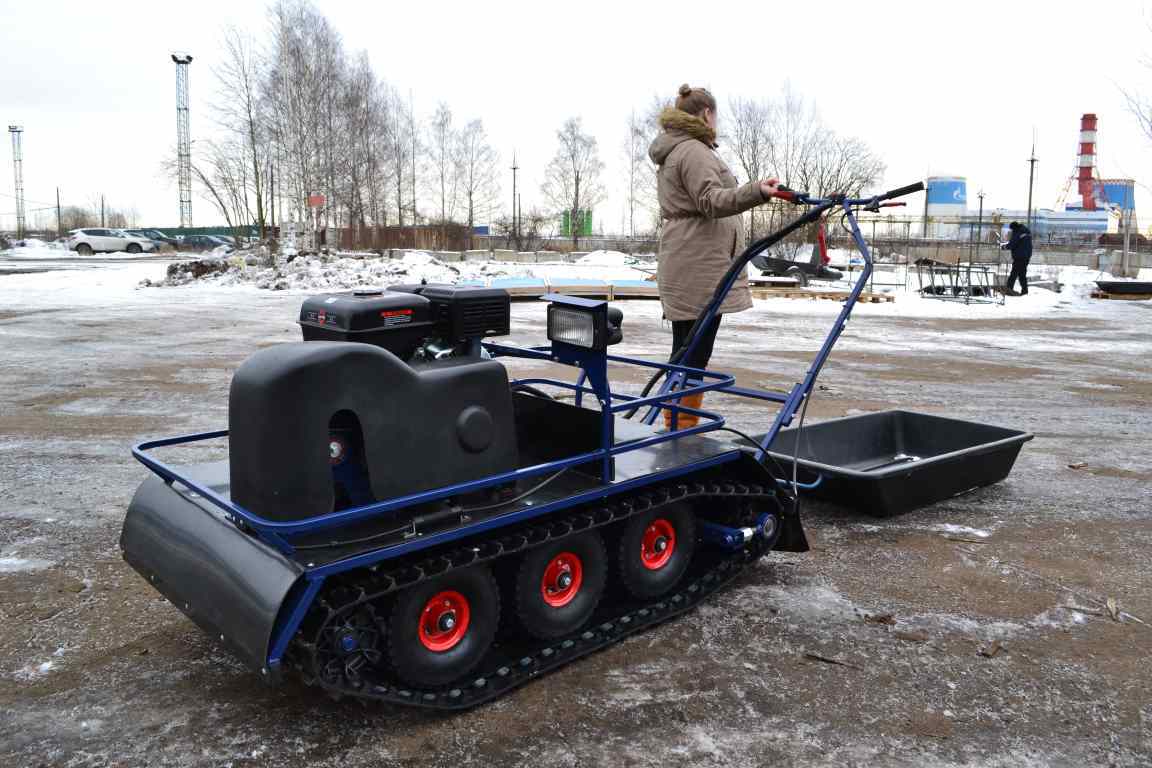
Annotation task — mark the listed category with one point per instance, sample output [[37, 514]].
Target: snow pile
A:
[[343, 271], [333, 272], [33, 248], [1080, 282], [604, 259]]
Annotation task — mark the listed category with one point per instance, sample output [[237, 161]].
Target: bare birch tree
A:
[[444, 161], [572, 179], [479, 180], [748, 141], [238, 111], [640, 173]]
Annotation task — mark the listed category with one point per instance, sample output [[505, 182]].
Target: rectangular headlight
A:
[[572, 326]]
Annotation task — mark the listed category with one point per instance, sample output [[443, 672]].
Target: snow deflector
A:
[[226, 581]]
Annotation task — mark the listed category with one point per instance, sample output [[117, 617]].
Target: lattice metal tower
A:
[[18, 168], [183, 138]]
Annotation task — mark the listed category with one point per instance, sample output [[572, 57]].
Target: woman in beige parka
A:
[[700, 203]]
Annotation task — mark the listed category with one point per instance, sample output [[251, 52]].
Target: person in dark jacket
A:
[[1020, 244]]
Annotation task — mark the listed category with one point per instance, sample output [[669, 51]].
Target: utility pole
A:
[[18, 170], [924, 225], [975, 251], [1127, 242], [101, 210], [59, 225], [980, 221], [183, 139], [515, 223], [1031, 176]]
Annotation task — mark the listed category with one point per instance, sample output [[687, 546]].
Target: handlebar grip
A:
[[901, 191], [788, 195]]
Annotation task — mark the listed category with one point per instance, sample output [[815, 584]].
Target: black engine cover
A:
[[445, 423], [398, 322]]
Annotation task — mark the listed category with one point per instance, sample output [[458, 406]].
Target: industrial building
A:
[[1098, 207]]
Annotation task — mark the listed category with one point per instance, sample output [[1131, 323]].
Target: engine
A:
[[417, 323], [433, 333]]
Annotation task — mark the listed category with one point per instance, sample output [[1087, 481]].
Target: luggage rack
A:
[[971, 283]]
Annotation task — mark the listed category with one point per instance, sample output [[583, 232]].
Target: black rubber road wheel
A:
[[134, 248], [798, 275], [559, 585], [440, 629], [84, 249], [654, 550]]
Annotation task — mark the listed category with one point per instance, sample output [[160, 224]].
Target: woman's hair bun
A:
[[685, 90]]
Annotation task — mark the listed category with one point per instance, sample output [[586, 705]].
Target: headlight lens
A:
[[572, 327]]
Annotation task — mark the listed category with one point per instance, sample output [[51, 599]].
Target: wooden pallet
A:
[[606, 291], [784, 293], [1123, 296]]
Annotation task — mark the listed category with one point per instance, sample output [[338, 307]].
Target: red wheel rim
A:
[[444, 621], [658, 544], [562, 579]]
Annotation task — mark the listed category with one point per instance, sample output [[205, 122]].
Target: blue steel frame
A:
[[593, 380]]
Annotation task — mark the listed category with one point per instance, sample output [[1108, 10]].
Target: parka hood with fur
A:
[[679, 126]]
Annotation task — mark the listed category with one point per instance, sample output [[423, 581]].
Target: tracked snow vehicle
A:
[[398, 521]]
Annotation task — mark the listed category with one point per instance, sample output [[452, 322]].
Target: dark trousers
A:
[[707, 338], [1019, 270]]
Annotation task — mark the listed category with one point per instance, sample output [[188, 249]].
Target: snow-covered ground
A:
[[315, 273], [130, 280]]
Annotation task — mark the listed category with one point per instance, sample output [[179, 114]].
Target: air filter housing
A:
[[465, 312]]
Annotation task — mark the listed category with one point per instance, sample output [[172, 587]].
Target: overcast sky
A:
[[934, 88]]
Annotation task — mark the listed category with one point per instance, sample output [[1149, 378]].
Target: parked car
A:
[[144, 234], [204, 243], [92, 240], [159, 236]]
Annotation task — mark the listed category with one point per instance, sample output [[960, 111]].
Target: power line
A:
[[26, 200]]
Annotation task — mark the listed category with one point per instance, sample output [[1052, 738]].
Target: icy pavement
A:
[[975, 632]]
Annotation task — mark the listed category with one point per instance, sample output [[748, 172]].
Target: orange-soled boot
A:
[[685, 420]]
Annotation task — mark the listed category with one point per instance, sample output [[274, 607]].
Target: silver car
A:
[[99, 240]]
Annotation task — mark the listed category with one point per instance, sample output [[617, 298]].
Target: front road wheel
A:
[[655, 549]]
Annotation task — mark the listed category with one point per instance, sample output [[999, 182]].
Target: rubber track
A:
[[479, 688]]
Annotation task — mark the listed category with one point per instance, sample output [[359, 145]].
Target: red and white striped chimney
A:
[[1087, 164]]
